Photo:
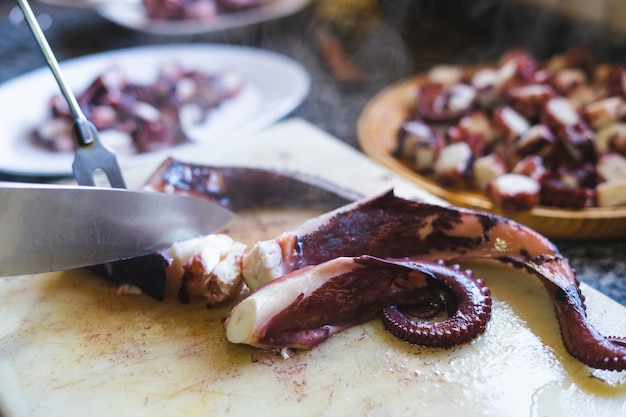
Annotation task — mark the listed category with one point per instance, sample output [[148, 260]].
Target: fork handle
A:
[[77, 113]]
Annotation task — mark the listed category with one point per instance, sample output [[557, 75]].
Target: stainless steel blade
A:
[[47, 228]]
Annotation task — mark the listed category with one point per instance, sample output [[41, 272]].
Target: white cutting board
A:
[[69, 346]]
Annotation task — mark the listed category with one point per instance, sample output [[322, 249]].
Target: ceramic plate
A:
[[131, 14], [377, 129], [273, 86]]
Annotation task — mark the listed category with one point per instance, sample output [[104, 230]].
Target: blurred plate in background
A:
[[273, 86], [83, 4], [132, 15]]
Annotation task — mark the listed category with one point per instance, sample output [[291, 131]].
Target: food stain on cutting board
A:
[[69, 345]]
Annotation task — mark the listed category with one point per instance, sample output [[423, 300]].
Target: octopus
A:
[[138, 117], [236, 188], [380, 256], [523, 133], [303, 308], [390, 227]]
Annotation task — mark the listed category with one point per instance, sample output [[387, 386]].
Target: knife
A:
[[46, 228]]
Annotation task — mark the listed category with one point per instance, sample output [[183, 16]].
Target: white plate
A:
[[133, 16], [273, 86]]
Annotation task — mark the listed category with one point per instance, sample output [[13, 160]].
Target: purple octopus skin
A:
[[318, 301], [387, 226], [147, 273], [239, 188]]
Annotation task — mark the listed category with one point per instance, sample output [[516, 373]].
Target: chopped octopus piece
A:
[[574, 134], [616, 81], [617, 143], [436, 103], [206, 267], [611, 166], [477, 123], [583, 95], [307, 306], [556, 193], [568, 79], [454, 163], [420, 144], [531, 166], [475, 140], [515, 68], [509, 124], [529, 100], [603, 112], [537, 140], [54, 135], [486, 169], [513, 193], [445, 75], [612, 193], [611, 138], [387, 226], [484, 79], [524, 64]]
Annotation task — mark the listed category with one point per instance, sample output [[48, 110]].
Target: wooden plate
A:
[[377, 128]]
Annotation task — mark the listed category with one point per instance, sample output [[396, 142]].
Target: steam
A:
[[467, 32]]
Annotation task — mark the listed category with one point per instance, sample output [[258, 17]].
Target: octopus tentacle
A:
[[468, 319], [240, 188], [581, 339], [387, 226], [428, 307], [617, 340], [307, 306]]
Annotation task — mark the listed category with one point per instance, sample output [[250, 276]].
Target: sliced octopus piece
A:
[[207, 267], [387, 226], [307, 306]]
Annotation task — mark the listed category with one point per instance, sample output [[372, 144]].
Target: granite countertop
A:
[[407, 36]]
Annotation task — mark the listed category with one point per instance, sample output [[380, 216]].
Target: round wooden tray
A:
[[377, 129]]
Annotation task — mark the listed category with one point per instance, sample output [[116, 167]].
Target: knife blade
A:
[[46, 228]]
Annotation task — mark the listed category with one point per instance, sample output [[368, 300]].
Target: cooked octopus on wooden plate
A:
[[543, 143]]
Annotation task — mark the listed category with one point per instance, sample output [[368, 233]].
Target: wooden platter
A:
[[377, 129]]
